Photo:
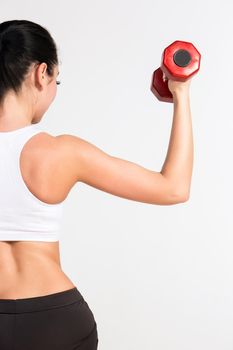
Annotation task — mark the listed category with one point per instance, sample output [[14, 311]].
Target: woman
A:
[[40, 307]]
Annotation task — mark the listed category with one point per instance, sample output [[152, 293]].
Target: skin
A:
[[37, 93], [33, 268], [30, 268]]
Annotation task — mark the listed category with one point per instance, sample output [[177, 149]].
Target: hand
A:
[[178, 86]]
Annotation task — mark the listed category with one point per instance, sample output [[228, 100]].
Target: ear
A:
[[40, 74], [42, 69]]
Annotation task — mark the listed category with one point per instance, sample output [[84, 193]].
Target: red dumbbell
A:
[[180, 61]]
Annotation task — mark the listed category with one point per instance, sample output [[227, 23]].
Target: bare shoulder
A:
[[43, 164], [55, 154], [74, 150]]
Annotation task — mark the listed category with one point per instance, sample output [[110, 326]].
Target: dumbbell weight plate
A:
[[159, 87], [180, 60]]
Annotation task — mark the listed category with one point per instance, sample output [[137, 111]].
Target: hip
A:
[[57, 321]]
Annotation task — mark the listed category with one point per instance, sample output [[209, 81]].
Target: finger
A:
[[164, 77]]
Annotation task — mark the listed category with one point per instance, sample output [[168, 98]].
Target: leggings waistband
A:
[[40, 303]]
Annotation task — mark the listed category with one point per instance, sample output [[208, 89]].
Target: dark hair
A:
[[23, 43]]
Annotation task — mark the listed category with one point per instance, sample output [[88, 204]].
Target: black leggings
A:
[[59, 321]]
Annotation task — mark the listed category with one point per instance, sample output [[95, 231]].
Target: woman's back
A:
[[32, 268], [40, 307]]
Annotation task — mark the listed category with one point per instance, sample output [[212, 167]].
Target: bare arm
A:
[[85, 162], [178, 164]]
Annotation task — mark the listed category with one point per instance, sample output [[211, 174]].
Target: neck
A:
[[15, 113]]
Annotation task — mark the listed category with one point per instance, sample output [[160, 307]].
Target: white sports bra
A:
[[23, 217]]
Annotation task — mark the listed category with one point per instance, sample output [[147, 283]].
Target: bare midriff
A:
[[30, 269]]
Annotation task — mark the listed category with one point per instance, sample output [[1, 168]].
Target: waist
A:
[[47, 302], [32, 280]]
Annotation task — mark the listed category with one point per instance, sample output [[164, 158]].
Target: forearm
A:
[[178, 165]]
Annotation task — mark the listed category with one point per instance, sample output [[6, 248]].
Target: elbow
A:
[[183, 197], [176, 194], [180, 194], [178, 198]]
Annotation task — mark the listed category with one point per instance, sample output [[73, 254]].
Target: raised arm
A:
[[178, 165], [89, 164]]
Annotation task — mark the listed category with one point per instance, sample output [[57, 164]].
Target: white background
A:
[[155, 277]]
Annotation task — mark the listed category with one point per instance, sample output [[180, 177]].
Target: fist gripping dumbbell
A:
[[180, 61]]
